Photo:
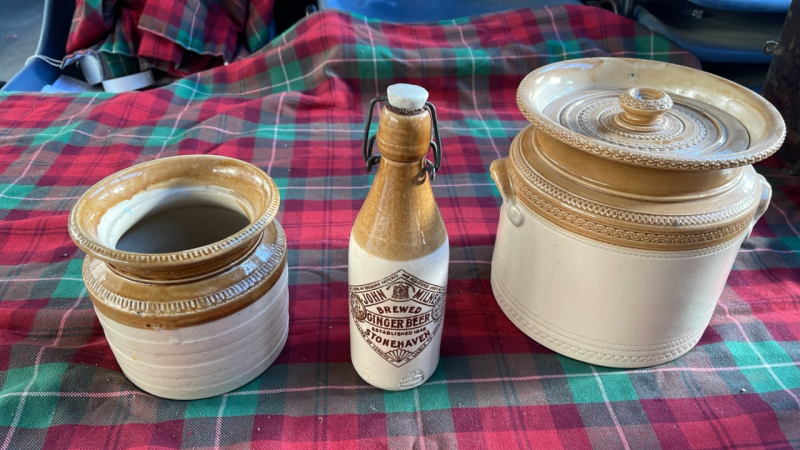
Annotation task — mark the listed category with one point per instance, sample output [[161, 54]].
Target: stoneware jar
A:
[[186, 268], [624, 205], [399, 252]]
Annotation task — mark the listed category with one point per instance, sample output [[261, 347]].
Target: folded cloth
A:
[[176, 37]]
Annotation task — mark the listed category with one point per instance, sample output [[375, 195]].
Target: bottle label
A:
[[398, 316]]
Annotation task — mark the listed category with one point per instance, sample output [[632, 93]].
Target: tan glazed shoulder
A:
[[400, 220]]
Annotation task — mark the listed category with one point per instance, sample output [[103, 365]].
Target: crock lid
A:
[[651, 114]]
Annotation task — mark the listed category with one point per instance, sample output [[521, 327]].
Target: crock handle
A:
[[501, 177], [763, 203]]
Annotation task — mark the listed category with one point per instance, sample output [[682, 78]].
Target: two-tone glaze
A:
[[399, 256], [195, 322], [625, 203]]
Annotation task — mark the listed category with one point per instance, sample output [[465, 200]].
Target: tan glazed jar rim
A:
[[257, 194]]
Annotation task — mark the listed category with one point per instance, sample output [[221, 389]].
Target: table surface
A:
[[296, 109]]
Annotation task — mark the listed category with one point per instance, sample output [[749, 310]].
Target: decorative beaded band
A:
[[154, 312], [622, 227]]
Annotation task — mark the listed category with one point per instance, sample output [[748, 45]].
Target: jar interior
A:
[[175, 230], [173, 219]]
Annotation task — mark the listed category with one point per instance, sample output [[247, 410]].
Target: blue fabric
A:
[[780, 6], [711, 40], [410, 11]]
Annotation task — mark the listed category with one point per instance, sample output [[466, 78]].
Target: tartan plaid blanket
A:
[[177, 37], [296, 109]]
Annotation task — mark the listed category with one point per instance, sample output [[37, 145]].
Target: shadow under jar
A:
[[625, 203], [186, 268]]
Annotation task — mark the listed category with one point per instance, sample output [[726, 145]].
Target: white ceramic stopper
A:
[[407, 96]]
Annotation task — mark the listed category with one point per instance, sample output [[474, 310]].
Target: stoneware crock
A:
[[624, 205], [186, 268]]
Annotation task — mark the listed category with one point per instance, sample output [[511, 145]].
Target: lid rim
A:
[[761, 150]]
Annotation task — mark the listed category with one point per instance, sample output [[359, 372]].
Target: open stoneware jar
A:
[[186, 268], [625, 203]]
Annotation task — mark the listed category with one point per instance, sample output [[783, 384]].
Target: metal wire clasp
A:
[[436, 143]]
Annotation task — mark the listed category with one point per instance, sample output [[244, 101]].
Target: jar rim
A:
[[256, 187]]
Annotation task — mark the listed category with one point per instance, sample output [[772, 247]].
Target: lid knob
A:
[[643, 107]]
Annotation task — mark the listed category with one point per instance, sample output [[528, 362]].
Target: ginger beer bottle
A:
[[399, 251]]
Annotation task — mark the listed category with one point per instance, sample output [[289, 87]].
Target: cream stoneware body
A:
[[186, 268], [625, 203], [399, 255]]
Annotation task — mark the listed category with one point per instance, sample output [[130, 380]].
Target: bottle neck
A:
[[399, 220], [404, 138], [402, 175]]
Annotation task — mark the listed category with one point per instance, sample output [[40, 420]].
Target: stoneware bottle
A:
[[399, 251]]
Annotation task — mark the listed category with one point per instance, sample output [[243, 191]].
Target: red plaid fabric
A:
[[177, 37], [296, 109]]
